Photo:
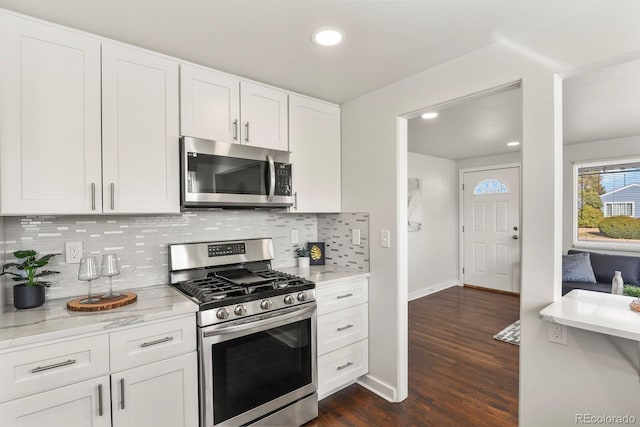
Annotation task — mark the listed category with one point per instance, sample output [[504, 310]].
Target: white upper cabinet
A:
[[49, 120], [223, 108], [315, 146], [140, 132], [264, 117], [209, 104]]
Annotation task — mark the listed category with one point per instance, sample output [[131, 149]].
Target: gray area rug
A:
[[510, 334]]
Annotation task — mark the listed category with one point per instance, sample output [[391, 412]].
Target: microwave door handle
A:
[[272, 177]]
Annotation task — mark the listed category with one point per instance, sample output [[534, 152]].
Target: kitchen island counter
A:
[[53, 320]]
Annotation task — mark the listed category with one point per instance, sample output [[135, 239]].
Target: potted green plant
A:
[[303, 257], [29, 293]]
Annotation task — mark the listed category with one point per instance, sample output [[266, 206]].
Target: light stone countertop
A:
[[324, 275], [53, 320], [597, 312]]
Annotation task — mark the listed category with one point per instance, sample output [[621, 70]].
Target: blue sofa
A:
[[604, 267]]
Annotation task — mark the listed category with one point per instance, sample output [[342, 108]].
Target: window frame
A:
[[619, 203], [588, 244]]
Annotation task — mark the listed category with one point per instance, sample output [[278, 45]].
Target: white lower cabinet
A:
[[82, 404], [157, 386], [343, 331], [164, 393]]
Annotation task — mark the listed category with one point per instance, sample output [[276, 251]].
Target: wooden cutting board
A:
[[102, 304]]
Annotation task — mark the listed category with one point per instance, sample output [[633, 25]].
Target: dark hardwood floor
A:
[[458, 374]]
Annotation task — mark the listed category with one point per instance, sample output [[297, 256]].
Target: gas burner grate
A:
[[211, 289]]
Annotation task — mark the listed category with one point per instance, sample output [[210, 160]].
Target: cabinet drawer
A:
[[342, 328], [41, 368], [337, 297], [150, 343], [341, 367]]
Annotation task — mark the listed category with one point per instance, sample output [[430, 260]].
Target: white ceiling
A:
[[600, 104], [473, 127], [268, 40]]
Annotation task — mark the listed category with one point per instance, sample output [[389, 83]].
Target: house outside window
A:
[[606, 204]]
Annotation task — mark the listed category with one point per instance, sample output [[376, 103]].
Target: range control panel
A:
[[283, 179], [223, 249]]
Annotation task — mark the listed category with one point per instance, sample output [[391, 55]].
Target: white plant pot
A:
[[303, 262]]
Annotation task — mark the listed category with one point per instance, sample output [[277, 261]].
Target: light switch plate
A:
[[295, 236], [355, 236], [385, 238]]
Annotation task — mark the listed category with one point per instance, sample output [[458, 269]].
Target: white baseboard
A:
[[433, 288], [378, 387]]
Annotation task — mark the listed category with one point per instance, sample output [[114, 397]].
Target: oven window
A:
[[227, 175], [255, 369]]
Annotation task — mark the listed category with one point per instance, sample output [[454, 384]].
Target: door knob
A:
[[515, 228], [515, 237]]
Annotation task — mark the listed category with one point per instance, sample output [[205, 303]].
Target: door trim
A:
[[461, 173]]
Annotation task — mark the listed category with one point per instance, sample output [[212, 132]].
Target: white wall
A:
[[556, 381], [584, 152], [478, 162], [433, 251]]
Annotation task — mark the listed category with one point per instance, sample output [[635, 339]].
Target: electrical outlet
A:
[[557, 333], [73, 251], [295, 236], [355, 236]]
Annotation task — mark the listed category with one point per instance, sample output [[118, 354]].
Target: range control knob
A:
[[302, 297], [222, 313], [288, 299], [240, 310], [266, 304]]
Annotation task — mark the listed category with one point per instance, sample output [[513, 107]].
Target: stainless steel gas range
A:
[[256, 333]]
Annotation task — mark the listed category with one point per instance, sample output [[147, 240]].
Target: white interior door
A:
[[491, 228]]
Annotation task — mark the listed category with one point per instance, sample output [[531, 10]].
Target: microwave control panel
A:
[[283, 179]]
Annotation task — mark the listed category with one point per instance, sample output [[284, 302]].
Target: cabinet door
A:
[[78, 405], [161, 394], [315, 146], [209, 104], [264, 117], [49, 120], [140, 132]]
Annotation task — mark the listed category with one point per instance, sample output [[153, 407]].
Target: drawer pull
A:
[[100, 409], [160, 341], [55, 365], [345, 327], [344, 296], [346, 365]]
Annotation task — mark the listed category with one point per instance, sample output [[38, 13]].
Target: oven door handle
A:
[[272, 177], [264, 320]]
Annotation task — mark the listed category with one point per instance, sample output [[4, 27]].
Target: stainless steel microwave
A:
[[220, 174]]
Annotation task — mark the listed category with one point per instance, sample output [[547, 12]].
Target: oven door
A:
[[216, 173], [250, 369]]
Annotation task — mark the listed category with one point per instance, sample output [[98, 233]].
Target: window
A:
[[618, 209], [607, 195], [490, 186]]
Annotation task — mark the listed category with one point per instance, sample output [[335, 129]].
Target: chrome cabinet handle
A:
[[113, 196], [345, 327], [272, 177], [100, 409], [295, 200], [235, 130], [344, 296], [121, 393], [160, 341], [55, 365], [246, 132], [93, 196], [346, 365]]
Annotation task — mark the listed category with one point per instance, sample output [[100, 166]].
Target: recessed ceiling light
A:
[[431, 115], [513, 143], [327, 36]]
